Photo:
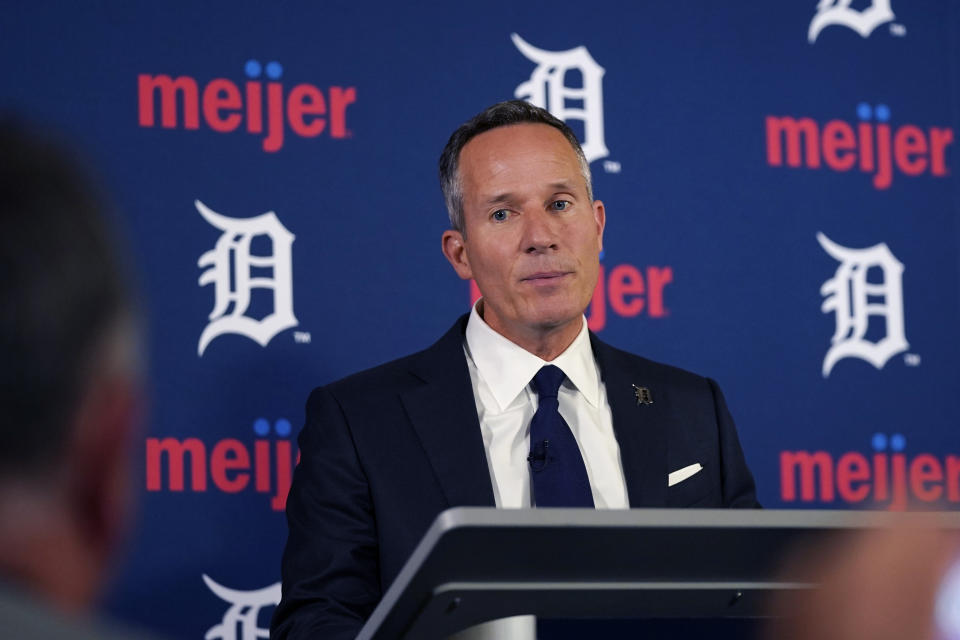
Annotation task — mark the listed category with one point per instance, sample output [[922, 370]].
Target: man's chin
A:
[[539, 315], [556, 321]]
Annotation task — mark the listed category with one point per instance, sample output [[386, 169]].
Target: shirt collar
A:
[[507, 368]]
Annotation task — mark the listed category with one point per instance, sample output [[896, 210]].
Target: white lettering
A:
[[830, 12], [546, 89], [230, 263], [240, 619], [853, 300]]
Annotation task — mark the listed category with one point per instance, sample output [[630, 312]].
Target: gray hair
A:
[[499, 115]]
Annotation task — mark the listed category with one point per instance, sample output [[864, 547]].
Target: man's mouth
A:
[[545, 277]]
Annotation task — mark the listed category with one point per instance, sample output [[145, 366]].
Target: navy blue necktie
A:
[[556, 466]]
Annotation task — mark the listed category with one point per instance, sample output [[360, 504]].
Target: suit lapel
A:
[[444, 416], [640, 429]]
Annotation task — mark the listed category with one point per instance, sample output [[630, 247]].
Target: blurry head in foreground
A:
[[68, 383], [882, 584]]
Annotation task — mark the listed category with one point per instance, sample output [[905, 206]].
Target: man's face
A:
[[532, 237]]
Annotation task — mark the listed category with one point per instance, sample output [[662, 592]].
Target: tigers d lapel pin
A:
[[642, 395]]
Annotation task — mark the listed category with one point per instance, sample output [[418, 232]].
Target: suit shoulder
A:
[[645, 368], [444, 357], [393, 375]]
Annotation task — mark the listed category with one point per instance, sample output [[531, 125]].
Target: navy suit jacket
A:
[[386, 450]]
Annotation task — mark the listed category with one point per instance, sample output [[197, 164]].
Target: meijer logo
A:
[[873, 145], [891, 479], [548, 90], [625, 291], [231, 268], [854, 300], [230, 465], [305, 110], [838, 12]]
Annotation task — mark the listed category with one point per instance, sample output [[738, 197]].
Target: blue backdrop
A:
[[724, 138]]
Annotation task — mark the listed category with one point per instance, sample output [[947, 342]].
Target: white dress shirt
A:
[[500, 372]]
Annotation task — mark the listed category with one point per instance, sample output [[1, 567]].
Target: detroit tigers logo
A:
[[231, 271], [853, 300], [546, 89], [831, 12], [240, 620]]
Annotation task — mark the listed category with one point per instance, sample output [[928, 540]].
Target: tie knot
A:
[[547, 381]]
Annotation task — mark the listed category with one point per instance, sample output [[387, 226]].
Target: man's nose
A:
[[540, 233]]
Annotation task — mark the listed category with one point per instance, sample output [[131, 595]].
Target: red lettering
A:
[[926, 469], [284, 475], [884, 175], [880, 484], [909, 141], [625, 280], [899, 482], [597, 319], [176, 451], [657, 279], [340, 99], [229, 455], [792, 130], [254, 107], [261, 456], [306, 100], [274, 139], [306, 110], [852, 468], [625, 287], [221, 94], [953, 478], [792, 462], [939, 139], [865, 133], [169, 89], [838, 144], [230, 466]]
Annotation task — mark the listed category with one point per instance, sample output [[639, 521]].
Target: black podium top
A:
[[479, 564]]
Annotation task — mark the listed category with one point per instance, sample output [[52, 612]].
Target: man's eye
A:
[[560, 205], [500, 215]]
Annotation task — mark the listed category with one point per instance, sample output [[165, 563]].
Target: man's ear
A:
[[455, 250], [600, 216], [100, 461]]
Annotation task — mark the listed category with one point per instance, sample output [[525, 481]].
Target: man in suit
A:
[[518, 405]]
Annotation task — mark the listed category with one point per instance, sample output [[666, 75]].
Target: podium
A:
[[479, 564]]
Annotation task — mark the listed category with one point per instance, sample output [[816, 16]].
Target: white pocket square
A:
[[680, 475]]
